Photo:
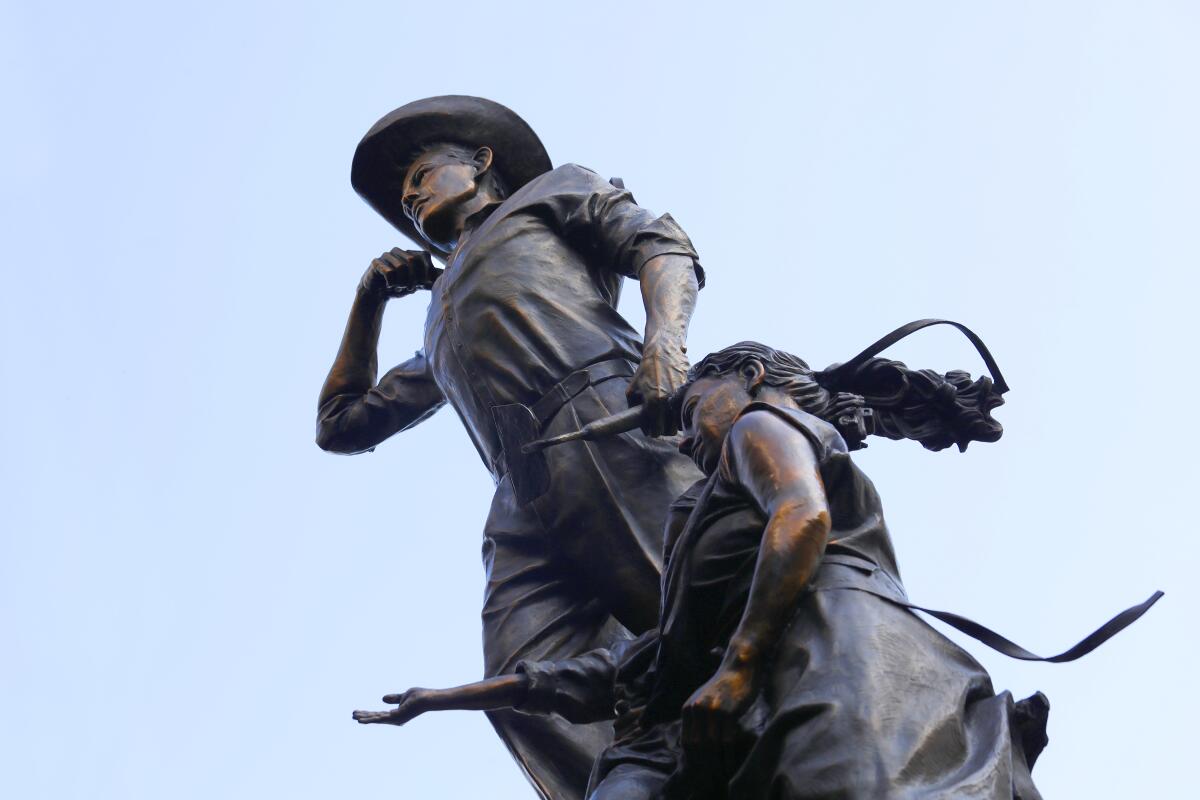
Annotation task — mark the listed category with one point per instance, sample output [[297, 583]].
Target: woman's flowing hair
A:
[[895, 402], [784, 371]]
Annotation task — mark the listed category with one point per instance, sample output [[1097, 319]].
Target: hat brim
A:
[[384, 155]]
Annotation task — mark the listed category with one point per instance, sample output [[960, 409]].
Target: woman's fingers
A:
[[709, 736], [700, 727], [715, 728], [688, 727]]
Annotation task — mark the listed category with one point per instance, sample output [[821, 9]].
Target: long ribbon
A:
[[1010, 648]]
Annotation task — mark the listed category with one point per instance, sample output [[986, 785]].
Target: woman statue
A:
[[786, 663]]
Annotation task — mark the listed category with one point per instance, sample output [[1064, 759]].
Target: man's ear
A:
[[483, 161], [753, 373]]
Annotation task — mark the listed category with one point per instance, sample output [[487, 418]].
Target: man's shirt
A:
[[527, 297]]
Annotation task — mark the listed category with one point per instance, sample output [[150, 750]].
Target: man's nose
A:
[[407, 200]]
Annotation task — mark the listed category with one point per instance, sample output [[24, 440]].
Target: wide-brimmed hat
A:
[[386, 152]]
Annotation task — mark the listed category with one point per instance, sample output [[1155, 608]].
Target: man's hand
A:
[[398, 272], [412, 704], [662, 371]]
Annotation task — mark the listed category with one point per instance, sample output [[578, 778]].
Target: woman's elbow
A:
[[803, 521]]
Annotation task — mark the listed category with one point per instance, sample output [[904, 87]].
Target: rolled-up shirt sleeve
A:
[[404, 397], [598, 216], [587, 688], [578, 689]]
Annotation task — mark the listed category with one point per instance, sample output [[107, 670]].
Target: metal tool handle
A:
[[620, 422]]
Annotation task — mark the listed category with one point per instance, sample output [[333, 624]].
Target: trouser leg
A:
[[630, 782], [608, 503], [533, 610]]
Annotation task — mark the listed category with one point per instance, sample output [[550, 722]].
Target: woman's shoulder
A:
[[760, 420]]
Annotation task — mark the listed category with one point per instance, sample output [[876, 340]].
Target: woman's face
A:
[[709, 409]]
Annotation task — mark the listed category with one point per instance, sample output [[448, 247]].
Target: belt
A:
[[563, 391]]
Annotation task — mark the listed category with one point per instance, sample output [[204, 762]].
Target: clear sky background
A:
[[193, 597]]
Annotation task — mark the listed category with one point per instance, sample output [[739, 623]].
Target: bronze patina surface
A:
[[712, 616], [523, 320]]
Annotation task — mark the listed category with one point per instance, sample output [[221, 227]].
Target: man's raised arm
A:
[[353, 413]]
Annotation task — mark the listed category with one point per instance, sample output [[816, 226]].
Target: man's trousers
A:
[[574, 570]]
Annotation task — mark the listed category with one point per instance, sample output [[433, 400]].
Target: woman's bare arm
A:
[[777, 467]]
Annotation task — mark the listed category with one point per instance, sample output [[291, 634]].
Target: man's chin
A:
[[435, 234]]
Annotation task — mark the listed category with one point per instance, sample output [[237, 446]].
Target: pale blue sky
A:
[[193, 597]]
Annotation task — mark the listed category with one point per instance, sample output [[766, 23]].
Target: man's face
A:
[[709, 408], [435, 187]]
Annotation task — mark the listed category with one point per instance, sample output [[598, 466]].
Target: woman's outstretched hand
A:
[[410, 704]]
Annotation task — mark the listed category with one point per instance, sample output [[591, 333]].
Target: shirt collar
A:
[[475, 220], [470, 225]]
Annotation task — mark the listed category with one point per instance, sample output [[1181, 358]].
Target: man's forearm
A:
[[669, 289], [357, 363], [504, 691]]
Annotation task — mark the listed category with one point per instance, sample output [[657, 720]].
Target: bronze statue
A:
[[523, 338], [787, 662], [777, 654]]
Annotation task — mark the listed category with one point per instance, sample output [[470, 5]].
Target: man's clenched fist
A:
[[398, 272]]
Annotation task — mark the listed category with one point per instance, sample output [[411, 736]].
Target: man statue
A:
[[525, 315]]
